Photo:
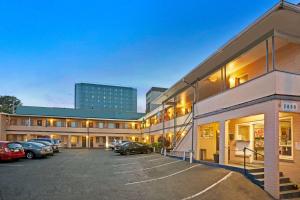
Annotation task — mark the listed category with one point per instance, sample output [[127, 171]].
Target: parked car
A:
[[11, 151], [36, 150], [118, 145], [48, 144], [134, 148], [53, 143]]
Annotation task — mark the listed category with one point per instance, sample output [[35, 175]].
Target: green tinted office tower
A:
[[105, 97]]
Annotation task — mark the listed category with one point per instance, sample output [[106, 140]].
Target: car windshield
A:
[[14, 146], [36, 144]]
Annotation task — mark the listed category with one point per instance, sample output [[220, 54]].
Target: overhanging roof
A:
[[275, 19]]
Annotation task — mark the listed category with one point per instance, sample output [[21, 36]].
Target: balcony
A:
[[275, 82]]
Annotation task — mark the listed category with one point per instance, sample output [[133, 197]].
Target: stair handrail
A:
[[185, 125], [253, 151], [184, 136]]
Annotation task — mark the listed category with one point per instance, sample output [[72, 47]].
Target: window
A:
[[111, 125], [243, 132], [100, 125], [285, 138], [287, 55], [247, 66], [97, 139], [39, 122]]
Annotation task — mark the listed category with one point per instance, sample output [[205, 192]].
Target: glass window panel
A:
[[287, 55], [247, 66]]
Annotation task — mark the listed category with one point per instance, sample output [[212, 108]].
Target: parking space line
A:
[[145, 169], [9, 165], [210, 187], [136, 157], [163, 177], [156, 159], [124, 164]]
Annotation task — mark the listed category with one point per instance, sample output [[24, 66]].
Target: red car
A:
[[11, 151]]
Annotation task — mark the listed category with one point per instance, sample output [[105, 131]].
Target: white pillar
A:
[[271, 148], [87, 141], [223, 143], [69, 141], [106, 141]]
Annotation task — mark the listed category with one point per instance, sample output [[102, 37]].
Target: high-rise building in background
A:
[[151, 95], [107, 98]]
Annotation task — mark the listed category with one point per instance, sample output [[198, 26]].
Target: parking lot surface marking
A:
[[10, 165], [163, 177], [210, 187], [148, 168], [156, 159], [124, 164], [139, 157]]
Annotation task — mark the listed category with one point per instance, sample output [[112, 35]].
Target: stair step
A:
[[290, 194], [260, 175], [288, 186], [282, 180], [256, 170]]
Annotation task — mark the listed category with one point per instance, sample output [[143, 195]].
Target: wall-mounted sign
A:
[[289, 106]]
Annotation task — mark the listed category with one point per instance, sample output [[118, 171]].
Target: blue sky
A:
[[48, 46]]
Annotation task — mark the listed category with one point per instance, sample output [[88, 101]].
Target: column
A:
[[106, 141], [223, 143], [271, 155], [69, 141], [87, 141], [28, 136]]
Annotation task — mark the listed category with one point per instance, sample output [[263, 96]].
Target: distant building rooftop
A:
[[75, 113], [158, 89]]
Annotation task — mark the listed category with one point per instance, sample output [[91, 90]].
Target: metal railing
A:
[[255, 154], [186, 123]]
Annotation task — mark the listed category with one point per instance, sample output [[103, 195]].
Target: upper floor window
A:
[[111, 125], [39, 122], [100, 125], [287, 54]]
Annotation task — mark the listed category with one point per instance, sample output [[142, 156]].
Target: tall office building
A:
[[107, 98], [151, 95]]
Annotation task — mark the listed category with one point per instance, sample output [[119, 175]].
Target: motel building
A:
[[241, 106], [74, 128]]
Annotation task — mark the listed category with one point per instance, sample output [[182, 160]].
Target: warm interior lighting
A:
[[231, 82], [133, 138], [213, 78], [182, 134], [147, 137]]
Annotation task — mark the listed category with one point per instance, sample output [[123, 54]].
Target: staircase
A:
[[288, 190], [185, 128]]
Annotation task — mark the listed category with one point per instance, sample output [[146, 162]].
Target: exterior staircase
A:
[[288, 190]]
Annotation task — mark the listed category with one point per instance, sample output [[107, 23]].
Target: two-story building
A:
[[241, 104], [75, 128]]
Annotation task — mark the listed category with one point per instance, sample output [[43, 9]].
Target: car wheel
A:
[[127, 152], [29, 155]]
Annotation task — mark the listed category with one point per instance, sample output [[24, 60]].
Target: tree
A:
[[8, 104]]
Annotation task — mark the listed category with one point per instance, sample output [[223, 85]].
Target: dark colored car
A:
[[11, 151], [36, 150], [48, 144], [134, 148], [54, 144], [118, 145]]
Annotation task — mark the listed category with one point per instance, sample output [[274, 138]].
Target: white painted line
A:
[[5, 165], [124, 164], [210, 187], [139, 157], [163, 177], [156, 159], [145, 169]]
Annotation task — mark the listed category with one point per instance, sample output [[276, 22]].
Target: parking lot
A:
[[101, 174]]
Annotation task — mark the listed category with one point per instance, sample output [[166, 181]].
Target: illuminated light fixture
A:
[[182, 134], [87, 136], [51, 136], [147, 137], [133, 138], [213, 78]]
